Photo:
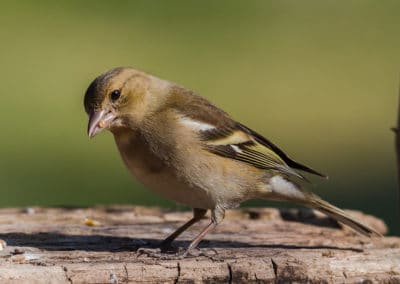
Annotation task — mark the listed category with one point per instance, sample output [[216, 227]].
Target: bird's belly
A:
[[157, 176], [167, 185]]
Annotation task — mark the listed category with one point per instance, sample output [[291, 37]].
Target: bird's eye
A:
[[115, 95]]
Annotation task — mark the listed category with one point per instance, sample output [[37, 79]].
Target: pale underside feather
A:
[[283, 187]]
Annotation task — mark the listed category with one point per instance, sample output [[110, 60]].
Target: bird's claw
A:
[[151, 252], [163, 253], [176, 253]]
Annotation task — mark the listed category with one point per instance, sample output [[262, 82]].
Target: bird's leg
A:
[[217, 215], [165, 244], [197, 215], [186, 252], [201, 236]]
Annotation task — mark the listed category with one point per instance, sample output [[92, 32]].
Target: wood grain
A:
[[61, 245]]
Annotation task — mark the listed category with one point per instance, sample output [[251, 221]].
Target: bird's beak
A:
[[98, 121]]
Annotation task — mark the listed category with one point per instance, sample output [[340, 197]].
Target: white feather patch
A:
[[285, 188], [236, 149], [195, 125]]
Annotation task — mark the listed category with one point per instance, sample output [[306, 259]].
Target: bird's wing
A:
[[240, 144], [223, 136], [275, 149]]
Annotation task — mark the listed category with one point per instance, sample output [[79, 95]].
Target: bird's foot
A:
[[206, 252], [159, 251], [151, 252], [160, 254], [173, 253]]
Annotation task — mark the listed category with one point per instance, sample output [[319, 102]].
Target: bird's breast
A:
[[157, 175]]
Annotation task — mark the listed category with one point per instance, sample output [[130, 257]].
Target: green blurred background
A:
[[319, 78]]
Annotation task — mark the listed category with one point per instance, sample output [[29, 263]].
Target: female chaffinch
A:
[[183, 147]]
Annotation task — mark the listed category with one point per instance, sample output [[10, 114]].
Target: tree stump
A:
[[99, 245]]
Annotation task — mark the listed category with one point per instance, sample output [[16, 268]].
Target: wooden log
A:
[[99, 245]]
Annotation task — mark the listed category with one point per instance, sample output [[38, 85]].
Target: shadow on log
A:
[[99, 245]]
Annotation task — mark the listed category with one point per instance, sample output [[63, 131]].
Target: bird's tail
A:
[[315, 202]]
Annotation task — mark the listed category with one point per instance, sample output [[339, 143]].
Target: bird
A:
[[181, 146]]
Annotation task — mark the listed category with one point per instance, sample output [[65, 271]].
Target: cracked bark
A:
[[66, 275], [230, 273], [178, 266], [251, 245], [275, 267], [126, 274]]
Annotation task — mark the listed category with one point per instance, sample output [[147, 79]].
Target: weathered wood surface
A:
[[252, 245]]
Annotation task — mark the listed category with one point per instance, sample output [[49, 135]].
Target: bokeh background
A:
[[319, 78]]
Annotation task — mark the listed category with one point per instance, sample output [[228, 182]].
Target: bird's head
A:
[[119, 98]]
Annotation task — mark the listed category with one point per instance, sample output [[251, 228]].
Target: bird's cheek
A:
[[116, 123]]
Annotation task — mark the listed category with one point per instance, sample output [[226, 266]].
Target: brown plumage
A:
[[183, 147]]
